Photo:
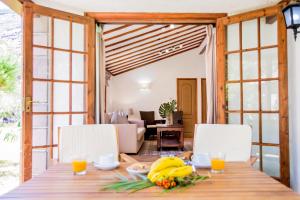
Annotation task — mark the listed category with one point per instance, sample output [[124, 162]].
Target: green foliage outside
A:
[[10, 103], [8, 73]]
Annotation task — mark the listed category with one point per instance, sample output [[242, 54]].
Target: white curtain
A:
[[102, 74], [211, 74]]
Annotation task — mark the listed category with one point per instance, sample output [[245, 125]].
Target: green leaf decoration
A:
[[130, 185], [167, 108], [136, 185]]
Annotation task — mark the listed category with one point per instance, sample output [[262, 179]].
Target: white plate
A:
[[107, 166]]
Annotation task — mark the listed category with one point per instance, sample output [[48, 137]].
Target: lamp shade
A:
[[292, 15]]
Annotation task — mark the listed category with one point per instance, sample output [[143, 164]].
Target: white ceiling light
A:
[[172, 26], [171, 49]]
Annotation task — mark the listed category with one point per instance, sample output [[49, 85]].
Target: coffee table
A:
[[169, 142]]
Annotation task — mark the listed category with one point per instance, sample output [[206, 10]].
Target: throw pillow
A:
[[122, 118], [119, 118], [107, 118], [114, 118]]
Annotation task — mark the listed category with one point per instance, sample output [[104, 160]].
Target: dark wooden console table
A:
[[172, 142]]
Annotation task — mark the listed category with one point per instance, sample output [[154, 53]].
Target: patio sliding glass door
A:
[[252, 84], [58, 81]]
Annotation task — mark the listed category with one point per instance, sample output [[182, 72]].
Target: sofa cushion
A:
[[119, 118], [140, 133], [139, 123]]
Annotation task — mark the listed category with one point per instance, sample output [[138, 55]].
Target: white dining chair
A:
[[232, 139], [91, 141]]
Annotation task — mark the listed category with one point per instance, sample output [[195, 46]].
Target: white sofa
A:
[[131, 136]]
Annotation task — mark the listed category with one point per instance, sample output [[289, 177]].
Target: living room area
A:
[[155, 85], [133, 99]]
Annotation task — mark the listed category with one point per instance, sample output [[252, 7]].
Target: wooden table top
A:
[[239, 181]]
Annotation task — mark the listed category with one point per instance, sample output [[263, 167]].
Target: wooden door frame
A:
[[155, 18], [28, 11], [203, 101], [282, 80], [177, 92]]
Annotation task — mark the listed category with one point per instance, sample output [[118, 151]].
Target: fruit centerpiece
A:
[[167, 172]]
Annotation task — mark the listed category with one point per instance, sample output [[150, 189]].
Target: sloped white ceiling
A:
[[180, 6]]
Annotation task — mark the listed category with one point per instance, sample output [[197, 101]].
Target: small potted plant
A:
[[166, 111]]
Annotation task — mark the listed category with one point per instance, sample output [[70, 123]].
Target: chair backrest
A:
[[231, 139], [148, 116], [177, 117], [89, 140]]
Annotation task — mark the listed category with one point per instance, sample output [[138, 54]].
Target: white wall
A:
[[294, 108], [124, 90]]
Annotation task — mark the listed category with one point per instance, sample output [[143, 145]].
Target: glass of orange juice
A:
[[217, 161], [79, 166]]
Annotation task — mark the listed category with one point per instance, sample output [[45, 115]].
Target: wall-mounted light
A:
[[292, 16], [144, 85]]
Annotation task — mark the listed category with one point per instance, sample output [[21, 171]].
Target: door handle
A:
[[28, 104]]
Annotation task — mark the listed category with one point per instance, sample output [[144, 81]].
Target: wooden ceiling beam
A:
[[149, 56], [154, 51], [141, 40], [155, 18], [153, 61], [128, 32], [153, 36], [116, 29], [136, 36], [156, 44], [159, 48], [154, 58]]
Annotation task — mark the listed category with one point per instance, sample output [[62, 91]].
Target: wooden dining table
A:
[[239, 181]]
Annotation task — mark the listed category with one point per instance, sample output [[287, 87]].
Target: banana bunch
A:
[[168, 167]]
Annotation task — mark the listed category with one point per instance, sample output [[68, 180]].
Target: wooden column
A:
[[283, 100], [91, 64], [26, 163], [221, 72]]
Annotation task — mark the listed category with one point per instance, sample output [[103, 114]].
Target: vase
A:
[[169, 119]]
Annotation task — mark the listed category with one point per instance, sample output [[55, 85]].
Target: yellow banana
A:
[[180, 171], [161, 174], [166, 162]]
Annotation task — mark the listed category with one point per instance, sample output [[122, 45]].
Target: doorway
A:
[[187, 103], [10, 96]]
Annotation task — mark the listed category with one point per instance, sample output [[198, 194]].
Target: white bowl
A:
[[107, 166], [201, 164], [133, 171]]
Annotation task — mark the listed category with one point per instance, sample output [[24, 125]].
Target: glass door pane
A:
[[59, 84], [252, 87], [249, 34]]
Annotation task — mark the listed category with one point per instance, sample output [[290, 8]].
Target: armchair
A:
[[149, 119]]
